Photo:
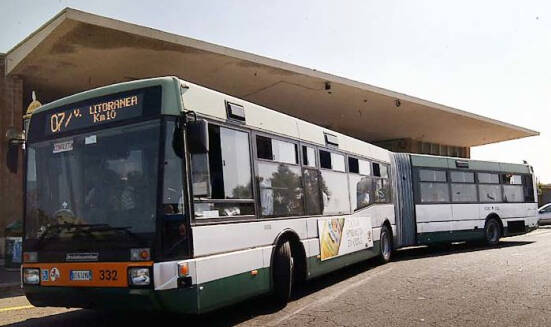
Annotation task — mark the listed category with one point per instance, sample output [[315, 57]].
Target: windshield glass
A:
[[105, 179]]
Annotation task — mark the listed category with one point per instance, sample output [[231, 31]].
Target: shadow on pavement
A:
[[251, 308], [10, 292], [449, 249]]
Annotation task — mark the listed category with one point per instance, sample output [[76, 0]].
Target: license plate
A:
[[81, 275]]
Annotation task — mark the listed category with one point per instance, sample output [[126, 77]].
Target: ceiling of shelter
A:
[[77, 51]]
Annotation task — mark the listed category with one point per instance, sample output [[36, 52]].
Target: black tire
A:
[[385, 249], [283, 273], [492, 232]]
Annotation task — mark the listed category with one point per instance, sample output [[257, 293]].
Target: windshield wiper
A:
[[56, 229]]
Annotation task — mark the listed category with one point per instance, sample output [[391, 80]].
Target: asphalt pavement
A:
[[457, 285]]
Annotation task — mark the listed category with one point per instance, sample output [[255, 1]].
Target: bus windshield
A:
[[104, 180]]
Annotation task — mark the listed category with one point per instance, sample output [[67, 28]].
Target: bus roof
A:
[[210, 103], [422, 160]]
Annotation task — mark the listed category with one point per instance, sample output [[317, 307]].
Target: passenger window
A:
[[463, 189], [308, 156], [463, 192], [173, 196], [325, 159], [513, 193], [380, 170], [223, 174], [331, 160], [528, 186], [433, 186], [489, 193], [276, 150], [461, 177], [335, 196], [426, 175], [279, 182], [280, 189], [486, 178], [364, 167], [511, 179], [434, 192], [360, 191], [382, 190], [311, 178], [362, 186], [353, 165]]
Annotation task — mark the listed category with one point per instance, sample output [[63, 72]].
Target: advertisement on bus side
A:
[[339, 236]]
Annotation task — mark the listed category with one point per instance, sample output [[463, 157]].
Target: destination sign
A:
[[95, 112]]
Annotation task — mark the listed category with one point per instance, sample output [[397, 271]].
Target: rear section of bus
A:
[[444, 199]]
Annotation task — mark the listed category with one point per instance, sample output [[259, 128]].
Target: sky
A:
[[492, 58]]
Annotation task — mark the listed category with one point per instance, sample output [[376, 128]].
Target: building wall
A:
[[11, 184], [413, 146]]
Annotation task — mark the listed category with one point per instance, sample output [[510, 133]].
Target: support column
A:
[[11, 184]]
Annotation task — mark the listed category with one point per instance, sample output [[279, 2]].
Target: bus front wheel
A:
[[385, 252], [283, 273], [492, 232]]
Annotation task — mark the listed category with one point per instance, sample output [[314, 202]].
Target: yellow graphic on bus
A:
[[331, 236]]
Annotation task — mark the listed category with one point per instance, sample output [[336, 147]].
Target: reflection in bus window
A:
[[360, 191], [489, 193], [280, 189], [434, 192], [308, 156], [513, 193], [382, 190], [335, 197], [312, 193], [463, 192]]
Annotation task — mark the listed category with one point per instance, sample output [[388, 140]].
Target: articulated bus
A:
[[160, 194]]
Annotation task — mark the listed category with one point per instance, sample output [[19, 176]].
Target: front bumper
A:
[[114, 299]]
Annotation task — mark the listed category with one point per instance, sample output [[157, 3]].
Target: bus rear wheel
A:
[[283, 273], [385, 252], [492, 232]]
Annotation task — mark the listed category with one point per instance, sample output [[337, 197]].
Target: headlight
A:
[[139, 276], [31, 276]]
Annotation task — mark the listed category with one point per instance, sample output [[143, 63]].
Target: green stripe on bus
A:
[[449, 236], [316, 267]]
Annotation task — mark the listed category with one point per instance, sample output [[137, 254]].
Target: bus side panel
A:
[[433, 223]]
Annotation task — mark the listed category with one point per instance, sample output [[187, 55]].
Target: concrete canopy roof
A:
[[76, 51]]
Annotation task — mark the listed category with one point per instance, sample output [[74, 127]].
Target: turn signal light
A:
[[183, 269]]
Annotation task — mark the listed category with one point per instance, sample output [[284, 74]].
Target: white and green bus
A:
[[161, 194]]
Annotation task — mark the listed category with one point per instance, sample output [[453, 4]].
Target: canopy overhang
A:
[[76, 51]]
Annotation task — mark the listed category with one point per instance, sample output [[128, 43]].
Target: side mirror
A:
[[198, 136], [14, 137], [14, 140]]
